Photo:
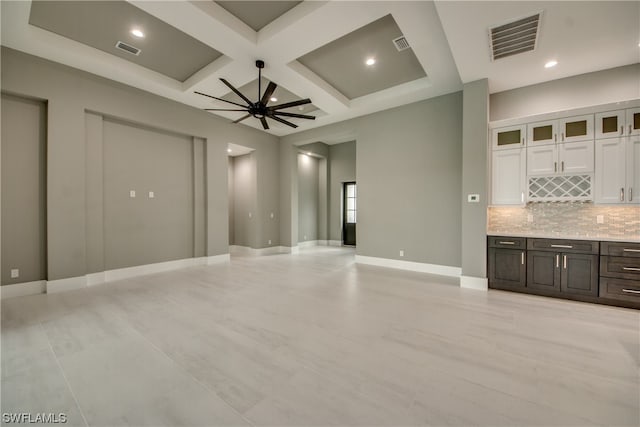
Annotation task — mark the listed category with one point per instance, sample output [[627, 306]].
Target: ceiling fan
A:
[[259, 109]]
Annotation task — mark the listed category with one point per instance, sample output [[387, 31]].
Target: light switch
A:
[[151, 194], [271, 216], [401, 252], [473, 198], [600, 219], [132, 193], [15, 273], [269, 242]]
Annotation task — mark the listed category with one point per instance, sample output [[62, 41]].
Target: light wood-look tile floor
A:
[[314, 339]]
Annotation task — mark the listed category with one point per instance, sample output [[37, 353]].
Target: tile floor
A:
[[314, 339]]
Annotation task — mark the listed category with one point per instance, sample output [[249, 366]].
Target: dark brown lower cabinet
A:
[[543, 273], [507, 268], [579, 274]]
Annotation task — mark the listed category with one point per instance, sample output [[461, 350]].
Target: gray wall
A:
[[601, 87], [308, 197], [70, 93], [475, 147], [244, 197], [230, 184], [342, 168], [409, 175], [23, 194]]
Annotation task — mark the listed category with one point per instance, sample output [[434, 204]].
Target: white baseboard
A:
[[216, 259], [246, 250], [335, 242], [470, 282], [323, 242], [23, 289], [68, 284], [96, 278], [441, 270], [307, 243]]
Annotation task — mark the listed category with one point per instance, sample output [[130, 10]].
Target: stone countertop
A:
[[596, 237]]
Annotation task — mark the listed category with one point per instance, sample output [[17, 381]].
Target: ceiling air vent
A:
[[514, 37], [401, 43], [128, 48]]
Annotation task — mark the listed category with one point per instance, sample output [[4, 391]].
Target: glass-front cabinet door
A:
[[542, 133], [508, 137], [578, 128], [610, 124], [633, 121]]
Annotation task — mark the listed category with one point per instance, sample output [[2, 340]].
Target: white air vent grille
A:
[[128, 48], [401, 43], [514, 37]]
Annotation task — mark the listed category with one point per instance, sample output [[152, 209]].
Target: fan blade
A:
[[299, 116], [290, 104], [265, 125], [271, 116], [236, 91], [220, 99], [221, 109], [241, 118], [267, 93]]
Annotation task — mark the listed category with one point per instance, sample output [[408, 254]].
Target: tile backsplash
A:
[[566, 219]]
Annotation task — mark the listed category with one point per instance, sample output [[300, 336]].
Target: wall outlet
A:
[[473, 198], [269, 242], [600, 219], [305, 237], [132, 193], [15, 273], [151, 194], [530, 218], [401, 252]]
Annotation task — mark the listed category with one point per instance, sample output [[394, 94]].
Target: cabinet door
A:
[[579, 274], [508, 177], [508, 137], [575, 157], [610, 170], [610, 124], [507, 268], [633, 170], [578, 128], [542, 133], [543, 272], [542, 160], [633, 121]]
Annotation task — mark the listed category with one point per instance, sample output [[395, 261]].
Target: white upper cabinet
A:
[[508, 177], [633, 121], [610, 124], [633, 169], [508, 137], [617, 179], [566, 159], [542, 160], [541, 133], [579, 128]]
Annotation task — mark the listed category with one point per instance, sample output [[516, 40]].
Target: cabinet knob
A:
[[557, 260], [562, 166], [622, 194], [630, 194], [564, 262], [630, 128], [562, 134], [555, 166], [522, 258], [621, 130]]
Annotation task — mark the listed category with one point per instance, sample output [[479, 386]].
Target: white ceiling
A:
[[449, 38]]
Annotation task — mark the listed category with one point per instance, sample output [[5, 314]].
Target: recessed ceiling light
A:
[[273, 99], [550, 64], [370, 61], [228, 150], [136, 32], [301, 108]]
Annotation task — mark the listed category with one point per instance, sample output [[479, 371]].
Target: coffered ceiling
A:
[[318, 49]]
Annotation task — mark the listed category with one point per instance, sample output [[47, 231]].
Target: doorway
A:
[[349, 214]]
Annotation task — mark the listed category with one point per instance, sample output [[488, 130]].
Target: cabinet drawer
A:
[[620, 289], [561, 245], [620, 249], [507, 242], [622, 267]]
